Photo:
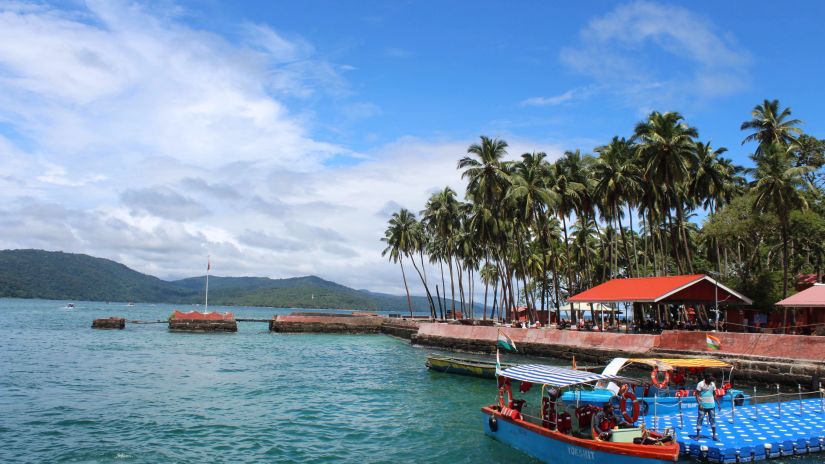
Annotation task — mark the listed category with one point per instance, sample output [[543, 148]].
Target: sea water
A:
[[145, 395]]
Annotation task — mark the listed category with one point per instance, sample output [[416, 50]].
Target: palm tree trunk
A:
[[452, 284], [404, 276], [683, 231], [567, 256], [486, 289], [784, 229], [426, 288], [633, 241], [674, 241], [443, 288]]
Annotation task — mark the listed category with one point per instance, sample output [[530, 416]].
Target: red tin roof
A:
[[813, 297], [697, 288]]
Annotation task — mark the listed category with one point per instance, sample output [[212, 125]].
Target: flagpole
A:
[[206, 301]]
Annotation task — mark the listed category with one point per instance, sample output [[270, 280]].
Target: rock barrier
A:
[[109, 323]]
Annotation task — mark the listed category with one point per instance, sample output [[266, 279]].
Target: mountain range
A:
[[68, 276]]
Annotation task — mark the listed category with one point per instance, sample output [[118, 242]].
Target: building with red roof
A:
[[809, 305]]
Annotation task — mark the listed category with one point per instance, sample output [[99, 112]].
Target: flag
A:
[[713, 342], [505, 342], [498, 363]]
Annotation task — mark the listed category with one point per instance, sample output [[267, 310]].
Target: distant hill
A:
[[67, 276]]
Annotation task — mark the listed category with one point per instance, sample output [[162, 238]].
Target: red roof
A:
[[681, 288], [810, 298]]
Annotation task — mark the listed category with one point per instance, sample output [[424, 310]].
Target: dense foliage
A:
[[66, 276], [537, 231]]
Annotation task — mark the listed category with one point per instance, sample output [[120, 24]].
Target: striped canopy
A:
[[555, 376]]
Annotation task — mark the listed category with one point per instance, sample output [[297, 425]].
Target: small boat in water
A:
[[464, 366], [571, 433], [70, 306], [668, 385]]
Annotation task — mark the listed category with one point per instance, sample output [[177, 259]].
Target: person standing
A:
[[706, 400]]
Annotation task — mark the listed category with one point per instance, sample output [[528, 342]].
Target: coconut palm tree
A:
[[667, 151], [442, 219], [770, 125], [618, 179], [401, 238], [778, 187]]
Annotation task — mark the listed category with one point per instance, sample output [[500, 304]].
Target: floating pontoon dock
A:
[[753, 432]]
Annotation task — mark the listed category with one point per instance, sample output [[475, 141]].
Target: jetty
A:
[[753, 432], [789, 360]]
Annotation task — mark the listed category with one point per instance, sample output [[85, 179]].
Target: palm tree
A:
[[770, 125], [778, 187], [400, 238], [489, 275], [487, 176], [442, 219], [618, 180], [667, 150]]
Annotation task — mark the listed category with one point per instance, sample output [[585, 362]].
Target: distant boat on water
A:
[[464, 366], [70, 306]]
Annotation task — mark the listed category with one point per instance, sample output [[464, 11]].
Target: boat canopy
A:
[[556, 376], [670, 364]]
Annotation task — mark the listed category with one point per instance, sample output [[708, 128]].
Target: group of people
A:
[[705, 393]]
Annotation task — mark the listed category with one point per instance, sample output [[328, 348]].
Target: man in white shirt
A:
[[706, 400]]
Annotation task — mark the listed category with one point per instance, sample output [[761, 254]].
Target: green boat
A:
[[464, 366]]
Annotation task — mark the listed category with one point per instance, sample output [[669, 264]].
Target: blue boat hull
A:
[[554, 451]]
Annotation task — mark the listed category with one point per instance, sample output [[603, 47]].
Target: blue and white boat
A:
[[665, 395], [566, 433]]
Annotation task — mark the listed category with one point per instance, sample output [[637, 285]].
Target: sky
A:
[[278, 137]]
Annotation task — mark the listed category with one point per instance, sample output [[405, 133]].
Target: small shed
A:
[[809, 305]]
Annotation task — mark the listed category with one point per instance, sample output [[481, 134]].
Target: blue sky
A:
[[279, 136], [458, 69]]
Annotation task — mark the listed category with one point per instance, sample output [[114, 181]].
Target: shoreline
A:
[[800, 360]]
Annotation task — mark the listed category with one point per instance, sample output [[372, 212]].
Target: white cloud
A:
[[135, 137], [619, 51], [579, 93]]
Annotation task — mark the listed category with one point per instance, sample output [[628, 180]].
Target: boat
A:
[[464, 366], [70, 306], [566, 432], [667, 389]]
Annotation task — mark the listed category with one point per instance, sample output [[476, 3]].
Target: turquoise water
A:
[[144, 395]]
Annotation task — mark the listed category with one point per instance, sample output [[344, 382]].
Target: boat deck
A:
[[757, 432]]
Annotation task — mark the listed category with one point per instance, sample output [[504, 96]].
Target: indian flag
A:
[[713, 342], [505, 342]]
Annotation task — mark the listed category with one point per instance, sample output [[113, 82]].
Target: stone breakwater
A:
[[308, 323], [758, 358]]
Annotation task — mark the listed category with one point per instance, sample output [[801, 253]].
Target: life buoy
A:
[[501, 391], [682, 393], [720, 392], [654, 379], [629, 395]]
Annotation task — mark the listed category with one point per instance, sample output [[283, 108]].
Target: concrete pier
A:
[[118, 323], [202, 322]]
